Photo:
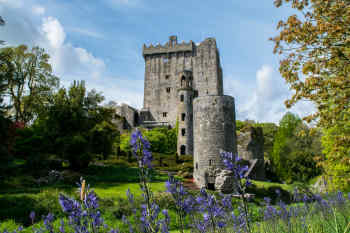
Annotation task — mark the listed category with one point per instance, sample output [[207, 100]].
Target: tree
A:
[[316, 65], [77, 126], [294, 149], [102, 137], [31, 82], [6, 131]]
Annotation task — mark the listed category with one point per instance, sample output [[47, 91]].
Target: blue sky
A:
[[101, 42]]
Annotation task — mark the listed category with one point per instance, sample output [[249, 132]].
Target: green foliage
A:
[[6, 137], [76, 127], [125, 142], [30, 80], [240, 125], [162, 140], [316, 66], [294, 150], [103, 137], [336, 144], [31, 146]]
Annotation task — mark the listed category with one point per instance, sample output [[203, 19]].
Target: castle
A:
[[184, 86]]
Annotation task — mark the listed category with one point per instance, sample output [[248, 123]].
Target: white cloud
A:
[[53, 31], [39, 10], [87, 32], [120, 89], [27, 25], [66, 59], [264, 101]]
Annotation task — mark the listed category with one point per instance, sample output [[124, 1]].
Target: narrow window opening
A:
[[168, 89], [136, 118], [211, 186], [183, 116], [165, 114], [210, 162], [182, 98], [196, 166], [183, 150], [183, 80], [183, 132], [167, 76]]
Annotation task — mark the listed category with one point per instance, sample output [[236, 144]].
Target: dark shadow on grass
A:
[[95, 174], [270, 192], [18, 207]]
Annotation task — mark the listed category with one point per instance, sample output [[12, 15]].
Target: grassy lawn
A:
[[19, 195]]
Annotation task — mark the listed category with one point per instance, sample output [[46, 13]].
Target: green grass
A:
[[266, 185], [20, 194]]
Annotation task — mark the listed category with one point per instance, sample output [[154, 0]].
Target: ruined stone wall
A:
[[163, 65], [214, 130], [130, 115], [250, 145]]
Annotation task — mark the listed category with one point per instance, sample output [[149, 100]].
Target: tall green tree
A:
[[31, 83], [281, 150], [77, 126], [6, 134], [294, 149], [315, 46]]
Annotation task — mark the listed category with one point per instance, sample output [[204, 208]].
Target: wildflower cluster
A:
[[184, 203], [150, 220]]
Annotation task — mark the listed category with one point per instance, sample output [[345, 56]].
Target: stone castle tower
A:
[[164, 65], [185, 114], [176, 74], [184, 86]]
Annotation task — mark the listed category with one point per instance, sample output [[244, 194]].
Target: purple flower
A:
[[278, 192], [48, 220], [140, 147], [61, 226], [32, 216]]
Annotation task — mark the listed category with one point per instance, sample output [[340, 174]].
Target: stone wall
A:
[[250, 146], [130, 115], [185, 115], [213, 130], [163, 67]]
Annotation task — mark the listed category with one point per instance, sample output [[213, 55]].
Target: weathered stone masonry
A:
[[183, 84], [163, 67], [214, 127]]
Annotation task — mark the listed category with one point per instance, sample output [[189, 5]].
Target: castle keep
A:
[[184, 86], [175, 74], [164, 65]]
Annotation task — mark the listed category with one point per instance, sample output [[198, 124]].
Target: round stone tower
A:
[[185, 114], [214, 130]]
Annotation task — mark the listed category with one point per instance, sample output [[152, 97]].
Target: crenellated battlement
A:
[[170, 47]]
